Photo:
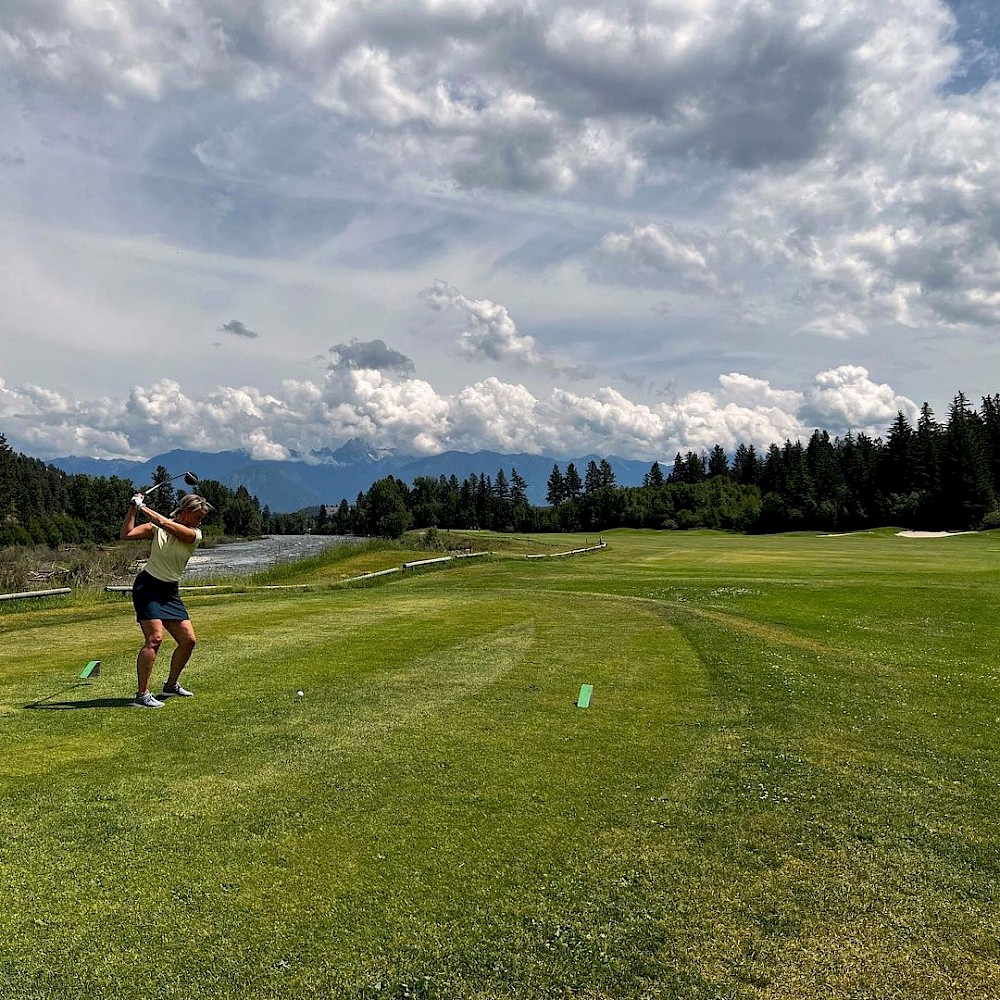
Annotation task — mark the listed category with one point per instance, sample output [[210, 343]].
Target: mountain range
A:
[[331, 475]]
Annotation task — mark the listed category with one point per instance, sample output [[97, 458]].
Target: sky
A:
[[518, 225]]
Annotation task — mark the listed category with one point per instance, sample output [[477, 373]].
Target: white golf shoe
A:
[[146, 700], [177, 691]]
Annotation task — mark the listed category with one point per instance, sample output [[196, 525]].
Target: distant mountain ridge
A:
[[343, 472]]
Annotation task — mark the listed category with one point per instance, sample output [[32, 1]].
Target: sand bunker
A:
[[901, 534], [932, 534]]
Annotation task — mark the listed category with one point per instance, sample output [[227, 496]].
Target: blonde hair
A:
[[191, 501]]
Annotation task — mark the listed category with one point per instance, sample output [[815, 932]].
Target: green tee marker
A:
[[92, 669], [583, 701]]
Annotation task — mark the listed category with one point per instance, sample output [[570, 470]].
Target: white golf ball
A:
[[300, 694]]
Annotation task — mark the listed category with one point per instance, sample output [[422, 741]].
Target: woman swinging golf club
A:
[[156, 592]]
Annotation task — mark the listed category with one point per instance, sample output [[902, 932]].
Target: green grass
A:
[[785, 786]]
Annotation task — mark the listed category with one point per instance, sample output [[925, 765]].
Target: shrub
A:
[[991, 519]]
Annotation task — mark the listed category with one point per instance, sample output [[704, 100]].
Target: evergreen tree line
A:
[[932, 475], [42, 505]]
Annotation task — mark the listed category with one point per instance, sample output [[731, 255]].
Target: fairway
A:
[[785, 783]]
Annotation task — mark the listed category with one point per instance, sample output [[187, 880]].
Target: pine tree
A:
[[501, 501], [574, 485], [501, 486], [772, 473], [965, 466], [694, 468], [518, 487], [718, 462], [927, 466], [898, 466], [555, 491], [826, 502], [654, 477], [591, 478], [467, 503], [484, 501], [798, 490], [989, 413], [520, 506], [343, 521], [746, 467], [164, 499]]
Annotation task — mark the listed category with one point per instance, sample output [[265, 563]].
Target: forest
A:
[[42, 505], [934, 475]]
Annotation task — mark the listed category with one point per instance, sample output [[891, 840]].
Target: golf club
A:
[[189, 477]]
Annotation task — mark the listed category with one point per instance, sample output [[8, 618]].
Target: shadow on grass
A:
[[47, 701], [92, 703]]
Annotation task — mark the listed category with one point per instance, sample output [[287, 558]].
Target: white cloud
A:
[[391, 410], [560, 95], [803, 167], [656, 252], [752, 392], [846, 397], [491, 333], [499, 416], [839, 326]]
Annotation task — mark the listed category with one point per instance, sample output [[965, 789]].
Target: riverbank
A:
[[35, 567]]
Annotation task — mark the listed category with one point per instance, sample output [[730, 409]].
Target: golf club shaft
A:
[[183, 475], [158, 485]]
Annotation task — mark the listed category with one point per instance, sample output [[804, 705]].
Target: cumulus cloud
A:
[[810, 166], [491, 410], [393, 411], [758, 392], [492, 335], [237, 329], [847, 397]]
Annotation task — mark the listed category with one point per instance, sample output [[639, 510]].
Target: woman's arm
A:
[[131, 530], [180, 531]]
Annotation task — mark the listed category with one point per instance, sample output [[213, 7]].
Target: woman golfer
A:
[[156, 594]]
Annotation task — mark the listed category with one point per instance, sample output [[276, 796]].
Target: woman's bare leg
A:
[[152, 632], [183, 634]]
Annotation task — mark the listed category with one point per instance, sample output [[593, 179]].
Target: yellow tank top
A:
[[168, 556]]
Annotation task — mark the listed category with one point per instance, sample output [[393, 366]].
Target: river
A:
[[250, 557]]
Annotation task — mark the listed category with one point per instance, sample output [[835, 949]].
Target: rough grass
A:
[[342, 562], [785, 785], [25, 567]]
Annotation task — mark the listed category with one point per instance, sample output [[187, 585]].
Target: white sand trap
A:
[[901, 534], [932, 534]]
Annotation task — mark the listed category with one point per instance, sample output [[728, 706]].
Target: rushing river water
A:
[[250, 557]]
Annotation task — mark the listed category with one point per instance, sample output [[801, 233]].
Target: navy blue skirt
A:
[[157, 600]]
